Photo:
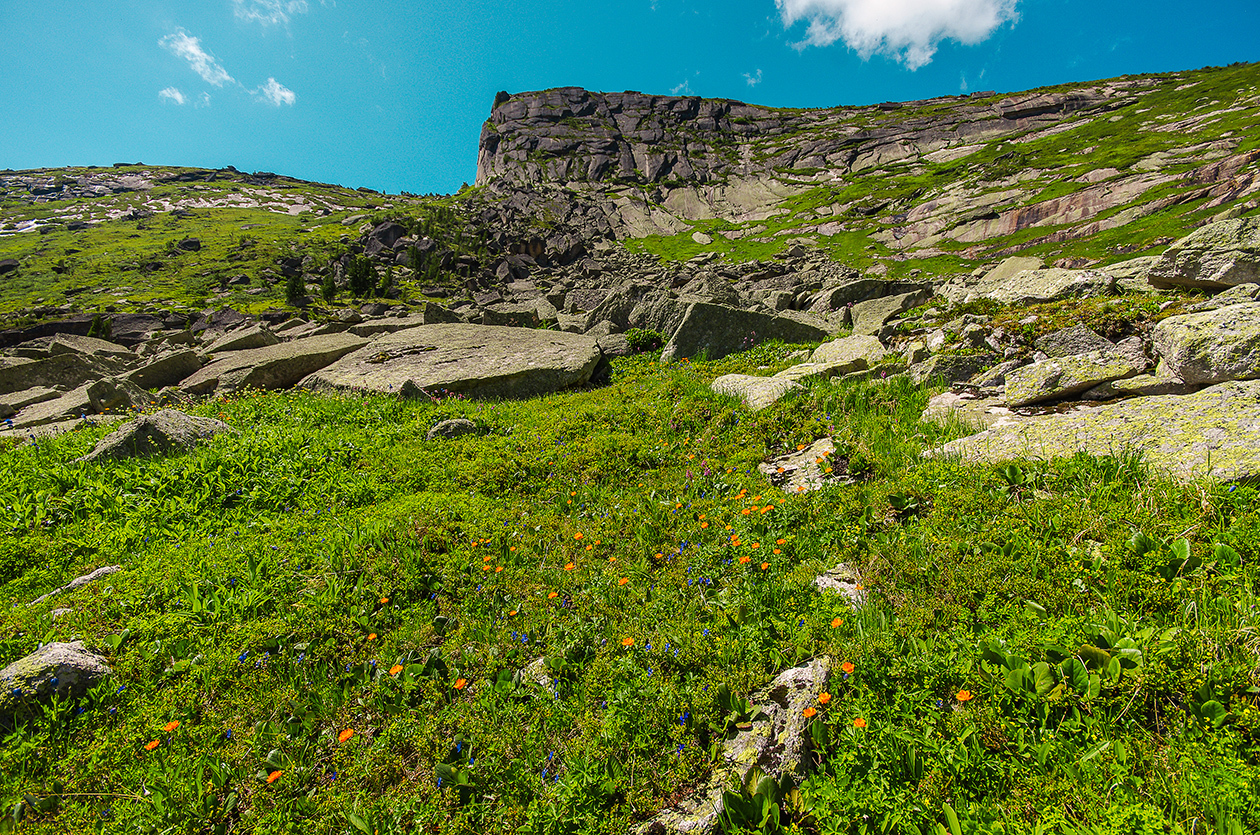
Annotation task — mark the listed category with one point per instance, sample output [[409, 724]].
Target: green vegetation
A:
[[326, 623]]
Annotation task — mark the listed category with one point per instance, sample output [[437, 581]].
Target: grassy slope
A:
[[274, 578]]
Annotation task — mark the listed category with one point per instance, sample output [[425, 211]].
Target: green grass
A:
[[274, 577]]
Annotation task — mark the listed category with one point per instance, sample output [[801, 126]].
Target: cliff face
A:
[[1130, 162], [572, 135]]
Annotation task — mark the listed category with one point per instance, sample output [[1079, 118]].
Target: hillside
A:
[[704, 467]]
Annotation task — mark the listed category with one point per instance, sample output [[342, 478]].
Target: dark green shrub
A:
[[361, 277], [328, 287], [101, 327], [641, 340], [294, 289]]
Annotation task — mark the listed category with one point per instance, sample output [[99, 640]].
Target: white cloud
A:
[[180, 43], [753, 80], [205, 100], [683, 89], [268, 12], [173, 94], [276, 93], [906, 30]]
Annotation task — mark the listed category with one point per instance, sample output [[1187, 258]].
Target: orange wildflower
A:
[[553, 595], [780, 542], [847, 666], [704, 525], [964, 695], [577, 536], [512, 613], [371, 636], [569, 566], [777, 551], [384, 600], [764, 566], [627, 642], [836, 623], [744, 560], [170, 726], [395, 670], [149, 746], [824, 697], [346, 734], [273, 777], [859, 722], [623, 581], [809, 713], [461, 683]]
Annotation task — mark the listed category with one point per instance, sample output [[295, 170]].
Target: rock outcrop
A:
[[470, 360]]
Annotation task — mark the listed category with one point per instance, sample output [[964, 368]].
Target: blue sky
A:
[[391, 94]]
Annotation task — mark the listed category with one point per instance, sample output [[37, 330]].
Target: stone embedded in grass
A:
[[66, 670], [472, 360], [756, 393], [274, 367], [844, 581], [92, 576], [716, 331], [776, 744], [1213, 433], [801, 471], [156, 433], [452, 428]]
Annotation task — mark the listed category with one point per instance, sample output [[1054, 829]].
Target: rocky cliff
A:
[[970, 176]]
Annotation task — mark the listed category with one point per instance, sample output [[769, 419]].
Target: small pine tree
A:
[[294, 288], [101, 327], [361, 277], [387, 283], [328, 287]]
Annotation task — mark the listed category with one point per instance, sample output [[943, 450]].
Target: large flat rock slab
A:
[[273, 367], [1213, 433], [474, 360], [756, 393]]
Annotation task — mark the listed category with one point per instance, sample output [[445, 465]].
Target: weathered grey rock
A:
[[11, 404], [775, 745], [757, 393], [66, 670], [850, 353], [717, 331], [376, 327], [274, 367], [1069, 342], [474, 360], [1238, 294], [1213, 433], [1011, 267], [452, 428], [870, 317], [830, 300], [1220, 254], [154, 434], [614, 345], [950, 368], [1065, 376], [1211, 346], [805, 470], [69, 343], [256, 335], [64, 371], [166, 369], [995, 377], [970, 409], [79, 582], [845, 581], [109, 394], [1143, 385], [1054, 284]]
